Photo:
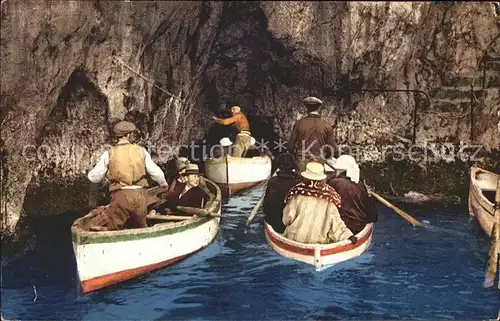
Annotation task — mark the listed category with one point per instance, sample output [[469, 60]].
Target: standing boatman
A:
[[126, 166], [312, 138], [243, 139]]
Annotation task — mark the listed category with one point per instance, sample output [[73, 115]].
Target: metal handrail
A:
[[415, 110]]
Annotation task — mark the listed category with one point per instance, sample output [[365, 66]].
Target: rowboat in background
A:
[[321, 256], [109, 257], [482, 189], [236, 174]]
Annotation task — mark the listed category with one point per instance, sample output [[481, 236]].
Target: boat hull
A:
[[103, 260], [321, 256], [110, 257], [238, 174], [479, 206]]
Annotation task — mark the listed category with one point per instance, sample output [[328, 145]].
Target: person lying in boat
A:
[[278, 187], [186, 193], [311, 212], [243, 138], [312, 138], [358, 208], [126, 165]]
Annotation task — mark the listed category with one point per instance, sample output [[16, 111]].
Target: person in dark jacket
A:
[[358, 208], [278, 186], [186, 192], [312, 138]]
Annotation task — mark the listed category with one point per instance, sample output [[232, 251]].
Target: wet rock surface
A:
[[66, 79]]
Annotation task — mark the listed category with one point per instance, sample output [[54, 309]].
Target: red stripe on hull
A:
[[114, 278], [310, 252]]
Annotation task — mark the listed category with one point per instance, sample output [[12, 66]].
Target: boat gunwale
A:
[[362, 235], [477, 193], [238, 160], [79, 234]]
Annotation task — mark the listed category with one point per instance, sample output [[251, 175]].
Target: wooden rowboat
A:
[[109, 257], [483, 183], [321, 256], [236, 174]]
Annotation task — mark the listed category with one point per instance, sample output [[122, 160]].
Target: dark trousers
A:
[[127, 209]]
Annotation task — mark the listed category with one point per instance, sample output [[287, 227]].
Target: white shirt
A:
[[98, 173]]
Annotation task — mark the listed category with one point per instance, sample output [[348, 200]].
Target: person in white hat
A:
[[311, 214], [126, 166], [312, 138], [221, 150], [243, 139], [358, 208]]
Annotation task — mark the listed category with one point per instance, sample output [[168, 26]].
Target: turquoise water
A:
[[408, 273]]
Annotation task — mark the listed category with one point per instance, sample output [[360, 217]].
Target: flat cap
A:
[[312, 101], [122, 128]]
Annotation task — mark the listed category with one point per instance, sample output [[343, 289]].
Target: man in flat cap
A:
[[312, 138], [243, 139], [125, 166]]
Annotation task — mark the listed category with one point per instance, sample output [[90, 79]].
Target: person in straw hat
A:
[[126, 166], [311, 213], [312, 138], [187, 193], [243, 139], [277, 188], [358, 208]]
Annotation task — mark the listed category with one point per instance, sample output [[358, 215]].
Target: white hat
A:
[[225, 142], [252, 141], [236, 109], [314, 171], [348, 163]]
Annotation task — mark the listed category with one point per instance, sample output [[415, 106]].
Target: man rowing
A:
[[312, 138], [358, 208], [243, 138], [126, 166]]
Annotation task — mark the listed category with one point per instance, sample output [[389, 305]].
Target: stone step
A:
[[492, 79], [454, 93], [445, 105]]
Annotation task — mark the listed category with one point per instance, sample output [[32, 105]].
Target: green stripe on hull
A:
[[96, 238]]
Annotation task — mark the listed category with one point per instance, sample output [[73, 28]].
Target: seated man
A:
[[311, 213], [186, 193], [358, 208], [277, 188], [223, 149]]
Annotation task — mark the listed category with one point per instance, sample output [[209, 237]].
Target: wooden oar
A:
[[492, 266], [197, 211], [403, 214], [93, 194], [259, 203]]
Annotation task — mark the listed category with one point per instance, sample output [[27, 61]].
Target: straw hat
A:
[[225, 142], [191, 169], [314, 171], [347, 163], [312, 101]]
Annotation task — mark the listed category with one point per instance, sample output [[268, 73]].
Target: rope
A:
[[120, 62]]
